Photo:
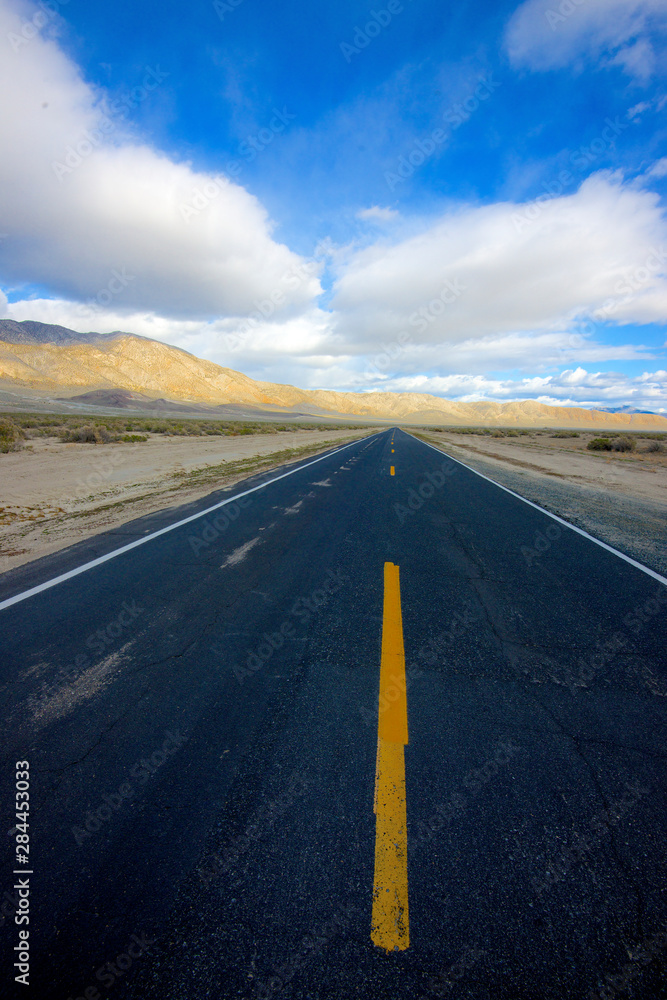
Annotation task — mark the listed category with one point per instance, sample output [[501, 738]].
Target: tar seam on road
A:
[[555, 517], [155, 534], [390, 925]]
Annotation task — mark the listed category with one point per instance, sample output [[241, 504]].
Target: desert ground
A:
[[54, 494], [619, 497]]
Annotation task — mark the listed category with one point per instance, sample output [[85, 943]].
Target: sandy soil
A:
[[620, 498], [53, 495]]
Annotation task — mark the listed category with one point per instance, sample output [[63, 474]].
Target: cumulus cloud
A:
[[549, 34], [90, 211], [494, 270]]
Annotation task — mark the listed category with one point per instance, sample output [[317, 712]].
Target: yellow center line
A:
[[390, 928], [391, 471]]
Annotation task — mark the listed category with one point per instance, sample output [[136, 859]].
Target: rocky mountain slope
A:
[[54, 360]]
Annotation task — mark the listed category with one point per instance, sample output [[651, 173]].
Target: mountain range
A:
[[123, 370]]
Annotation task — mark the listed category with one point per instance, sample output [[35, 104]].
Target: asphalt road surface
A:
[[199, 715]]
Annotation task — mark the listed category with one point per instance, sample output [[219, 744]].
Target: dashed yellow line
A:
[[392, 471], [390, 928]]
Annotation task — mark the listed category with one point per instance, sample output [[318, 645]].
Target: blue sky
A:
[[460, 199]]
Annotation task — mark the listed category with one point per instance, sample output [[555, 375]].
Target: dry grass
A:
[[122, 429]]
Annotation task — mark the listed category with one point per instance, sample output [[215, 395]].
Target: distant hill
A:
[[111, 369], [123, 399], [623, 409], [31, 332]]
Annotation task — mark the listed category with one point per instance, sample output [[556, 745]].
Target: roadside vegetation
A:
[[627, 443], [635, 442], [488, 431], [10, 436], [18, 428]]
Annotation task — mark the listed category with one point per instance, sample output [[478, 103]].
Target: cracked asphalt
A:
[[200, 718]]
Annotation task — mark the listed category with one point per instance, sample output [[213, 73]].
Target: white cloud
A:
[[637, 110], [659, 168], [376, 213], [547, 34], [507, 270], [81, 199]]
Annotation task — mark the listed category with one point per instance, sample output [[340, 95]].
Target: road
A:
[[200, 717]]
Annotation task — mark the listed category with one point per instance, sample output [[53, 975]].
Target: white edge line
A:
[[162, 531], [555, 517]]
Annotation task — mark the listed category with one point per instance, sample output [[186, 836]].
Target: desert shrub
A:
[[565, 434], [498, 433], [107, 434], [10, 436], [599, 444], [35, 420], [654, 446], [88, 434], [624, 443], [39, 432], [134, 437]]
